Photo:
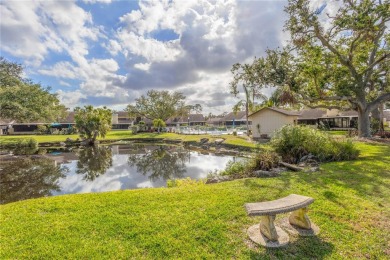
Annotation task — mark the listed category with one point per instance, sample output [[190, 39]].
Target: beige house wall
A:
[[269, 122]]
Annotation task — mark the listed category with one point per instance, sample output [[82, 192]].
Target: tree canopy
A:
[[161, 105], [343, 60], [23, 100], [338, 60], [93, 122]]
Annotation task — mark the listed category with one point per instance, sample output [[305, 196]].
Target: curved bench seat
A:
[[283, 205], [267, 210]]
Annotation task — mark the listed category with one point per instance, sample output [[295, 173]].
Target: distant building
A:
[[192, 120], [386, 118], [235, 119], [329, 118], [215, 121], [121, 120], [269, 119]]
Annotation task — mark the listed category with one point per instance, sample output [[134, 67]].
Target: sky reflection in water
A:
[[104, 168]]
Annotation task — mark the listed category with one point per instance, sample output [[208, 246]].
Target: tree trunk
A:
[[93, 139], [364, 123], [247, 122]]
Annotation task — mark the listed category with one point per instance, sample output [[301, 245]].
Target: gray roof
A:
[[184, 119], [214, 120], [6, 121], [236, 116], [312, 113], [279, 110], [68, 119], [348, 113]]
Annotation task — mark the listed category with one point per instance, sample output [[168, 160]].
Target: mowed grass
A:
[[124, 135], [352, 208]]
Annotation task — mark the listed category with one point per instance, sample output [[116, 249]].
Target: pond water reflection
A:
[[102, 168]]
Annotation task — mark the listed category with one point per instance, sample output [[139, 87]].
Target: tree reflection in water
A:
[[27, 178], [94, 161], [166, 162]]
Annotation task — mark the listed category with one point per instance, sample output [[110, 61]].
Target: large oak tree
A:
[[161, 105], [23, 100], [341, 60]]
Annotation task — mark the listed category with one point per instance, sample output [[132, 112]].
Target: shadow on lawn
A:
[[302, 248], [368, 175]]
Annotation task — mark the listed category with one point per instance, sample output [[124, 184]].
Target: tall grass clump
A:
[[265, 160], [294, 142]]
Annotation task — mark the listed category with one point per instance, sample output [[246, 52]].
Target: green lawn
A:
[[118, 135], [352, 208]]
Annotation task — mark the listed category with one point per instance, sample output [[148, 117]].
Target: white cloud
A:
[[63, 83], [211, 36], [113, 47], [31, 30], [97, 1], [71, 99]]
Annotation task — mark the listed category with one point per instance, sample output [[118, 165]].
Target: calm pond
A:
[[102, 168]]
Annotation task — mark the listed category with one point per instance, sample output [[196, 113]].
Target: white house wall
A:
[[269, 122]]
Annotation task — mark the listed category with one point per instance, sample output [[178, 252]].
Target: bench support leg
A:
[[300, 219], [267, 227]]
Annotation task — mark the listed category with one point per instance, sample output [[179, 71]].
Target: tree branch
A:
[[383, 98], [327, 44]]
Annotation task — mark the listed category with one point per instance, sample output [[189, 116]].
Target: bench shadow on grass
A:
[[301, 248], [276, 191]]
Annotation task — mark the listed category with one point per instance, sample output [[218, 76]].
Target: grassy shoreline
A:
[[126, 135], [352, 208]]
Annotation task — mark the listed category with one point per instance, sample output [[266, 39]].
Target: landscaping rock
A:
[[205, 147], [204, 140], [217, 179], [312, 169], [69, 140], [219, 141], [308, 160], [262, 174], [62, 144]]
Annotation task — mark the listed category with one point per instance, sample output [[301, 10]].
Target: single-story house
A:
[[235, 119], [386, 118], [269, 119], [215, 121], [192, 120], [121, 120], [310, 116], [329, 118]]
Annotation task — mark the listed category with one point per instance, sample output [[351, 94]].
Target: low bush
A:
[[25, 146], [42, 129], [384, 134], [265, 160], [184, 182], [237, 169], [294, 142]]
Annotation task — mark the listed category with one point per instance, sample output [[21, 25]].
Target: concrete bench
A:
[[296, 204]]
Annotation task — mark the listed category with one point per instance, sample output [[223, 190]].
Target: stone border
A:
[[257, 237], [294, 230]]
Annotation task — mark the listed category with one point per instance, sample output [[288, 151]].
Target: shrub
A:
[[25, 146], [384, 134], [265, 161], [294, 142], [236, 169], [134, 129], [184, 182], [42, 129]]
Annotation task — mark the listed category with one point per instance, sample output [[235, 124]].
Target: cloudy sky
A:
[[107, 52]]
